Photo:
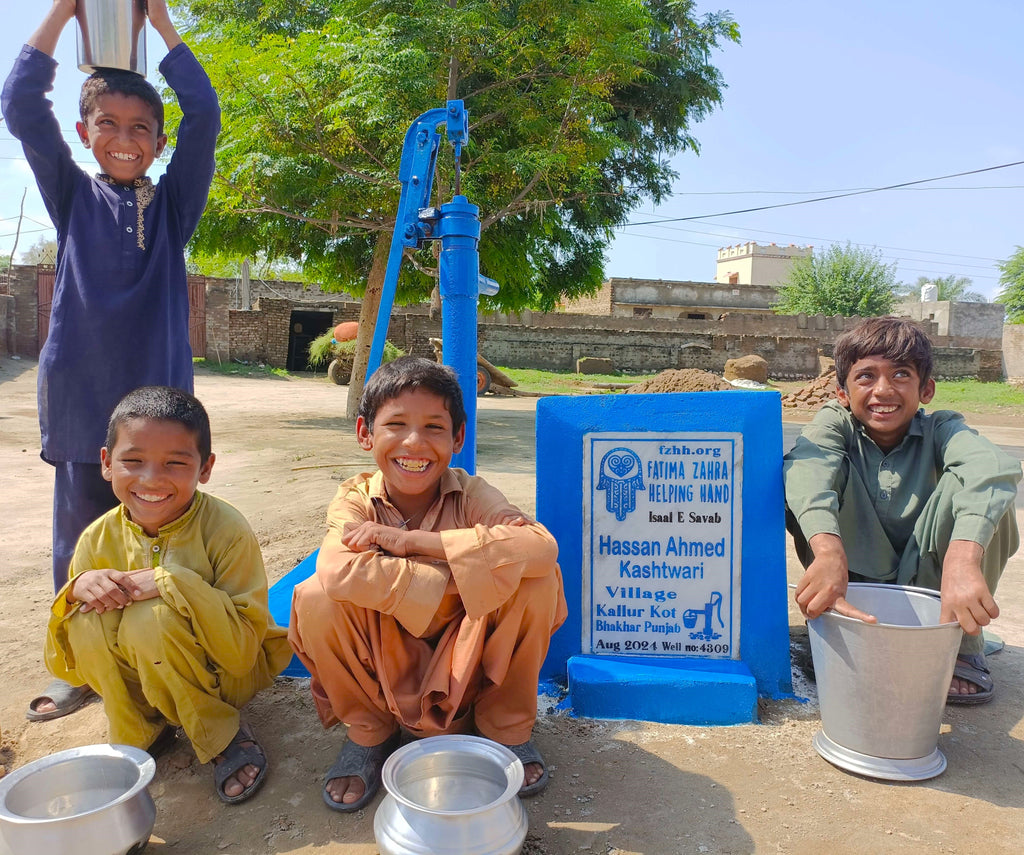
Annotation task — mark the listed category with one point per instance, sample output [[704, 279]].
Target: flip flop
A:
[[360, 761], [527, 752], [66, 698], [164, 742], [974, 669], [237, 756]]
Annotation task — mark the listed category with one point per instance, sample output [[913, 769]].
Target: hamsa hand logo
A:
[[621, 476]]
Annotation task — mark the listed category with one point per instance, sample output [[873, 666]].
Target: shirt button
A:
[[130, 203], [156, 548], [129, 229], [884, 494]]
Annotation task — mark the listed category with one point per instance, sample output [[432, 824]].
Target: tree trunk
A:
[[367, 321]]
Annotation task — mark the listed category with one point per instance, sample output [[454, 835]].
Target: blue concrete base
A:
[[280, 599], [670, 691]]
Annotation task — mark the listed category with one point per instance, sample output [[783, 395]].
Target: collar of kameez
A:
[[915, 428], [449, 484], [197, 500], [144, 192], [141, 181]]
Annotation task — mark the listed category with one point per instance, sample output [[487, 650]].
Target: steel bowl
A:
[[451, 795], [93, 799]]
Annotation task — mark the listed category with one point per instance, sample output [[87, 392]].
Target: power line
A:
[[841, 190], [897, 259], [824, 240], [825, 198]]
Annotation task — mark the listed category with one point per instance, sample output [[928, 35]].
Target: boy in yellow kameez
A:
[[434, 598], [165, 612]]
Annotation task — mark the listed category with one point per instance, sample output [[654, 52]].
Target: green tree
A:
[[575, 109], [43, 251], [1011, 278], [227, 265], [846, 281], [955, 289]]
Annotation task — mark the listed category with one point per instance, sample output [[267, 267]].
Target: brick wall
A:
[[555, 341], [218, 323], [6, 325], [22, 287], [1013, 351]]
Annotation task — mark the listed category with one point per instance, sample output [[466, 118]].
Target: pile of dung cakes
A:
[[681, 380], [816, 393]]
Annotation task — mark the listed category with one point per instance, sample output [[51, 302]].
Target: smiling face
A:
[[884, 396], [412, 442], [123, 134], [154, 468]]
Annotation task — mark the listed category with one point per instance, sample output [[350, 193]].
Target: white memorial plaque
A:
[[661, 544]]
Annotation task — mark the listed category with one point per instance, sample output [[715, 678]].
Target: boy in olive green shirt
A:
[[877, 490], [165, 612]]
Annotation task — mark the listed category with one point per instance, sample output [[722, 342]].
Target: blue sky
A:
[[822, 97]]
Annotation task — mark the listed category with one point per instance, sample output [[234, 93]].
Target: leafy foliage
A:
[[575, 107], [1011, 278], [43, 251], [955, 289], [324, 348], [846, 281], [227, 265]]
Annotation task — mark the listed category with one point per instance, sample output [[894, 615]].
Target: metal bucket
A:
[[111, 34], [882, 687], [91, 800], [451, 795]]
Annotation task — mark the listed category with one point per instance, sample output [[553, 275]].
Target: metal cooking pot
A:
[[92, 800], [111, 34], [451, 795]]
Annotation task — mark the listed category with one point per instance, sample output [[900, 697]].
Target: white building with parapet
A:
[[752, 264]]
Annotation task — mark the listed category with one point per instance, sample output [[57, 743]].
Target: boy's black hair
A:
[[897, 339], [164, 404], [407, 373], [114, 81]]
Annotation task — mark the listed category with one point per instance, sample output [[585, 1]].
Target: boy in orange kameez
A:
[[434, 599]]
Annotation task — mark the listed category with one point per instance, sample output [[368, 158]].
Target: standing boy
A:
[[433, 600], [166, 613], [880, 491], [119, 316]]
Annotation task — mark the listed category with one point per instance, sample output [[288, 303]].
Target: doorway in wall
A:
[[303, 327]]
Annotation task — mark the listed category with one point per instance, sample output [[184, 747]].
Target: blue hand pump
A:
[[457, 225]]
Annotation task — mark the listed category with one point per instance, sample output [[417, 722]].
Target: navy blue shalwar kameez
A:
[[119, 317]]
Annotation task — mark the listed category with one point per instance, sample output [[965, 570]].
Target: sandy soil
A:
[[620, 787]]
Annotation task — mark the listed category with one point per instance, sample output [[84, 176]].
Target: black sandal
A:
[[360, 761], [237, 756]]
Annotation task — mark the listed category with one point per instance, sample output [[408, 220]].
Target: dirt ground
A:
[[622, 787]]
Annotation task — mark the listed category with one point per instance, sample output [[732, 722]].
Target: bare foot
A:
[[245, 779], [532, 773], [242, 779], [45, 706], [345, 790], [960, 686]]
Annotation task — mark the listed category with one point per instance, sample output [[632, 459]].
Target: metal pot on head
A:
[[111, 34]]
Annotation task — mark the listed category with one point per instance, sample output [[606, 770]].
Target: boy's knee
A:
[[537, 596], [88, 629], [148, 625]]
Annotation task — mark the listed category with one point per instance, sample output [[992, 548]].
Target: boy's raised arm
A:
[[48, 32], [161, 21]]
